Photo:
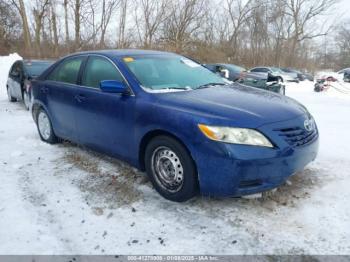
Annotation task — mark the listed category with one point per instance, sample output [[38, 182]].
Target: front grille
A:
[[296, 136]]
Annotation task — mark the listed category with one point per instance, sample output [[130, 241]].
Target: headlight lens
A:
[[243, 136]]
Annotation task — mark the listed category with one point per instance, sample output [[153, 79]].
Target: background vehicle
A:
[[345, 73], [347, 76], [309, 76], [234, 71], [175, 119], [19, 79], [274, 71], [295, 73], [262, 81]]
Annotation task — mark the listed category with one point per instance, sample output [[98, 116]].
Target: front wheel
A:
[[171, 169], [45, 127]]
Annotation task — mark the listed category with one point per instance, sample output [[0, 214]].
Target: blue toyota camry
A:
[[189, 129]]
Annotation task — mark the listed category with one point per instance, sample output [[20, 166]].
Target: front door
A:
[[105, 121]]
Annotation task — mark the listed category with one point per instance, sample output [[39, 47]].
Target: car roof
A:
[[37, 61], [123, 52], [262, 67]]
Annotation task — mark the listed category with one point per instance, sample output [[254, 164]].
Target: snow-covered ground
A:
[[63, 199]]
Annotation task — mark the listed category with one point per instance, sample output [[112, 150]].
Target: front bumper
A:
[[236, 170]]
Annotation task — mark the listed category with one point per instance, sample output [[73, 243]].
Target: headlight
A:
[[243, 136]]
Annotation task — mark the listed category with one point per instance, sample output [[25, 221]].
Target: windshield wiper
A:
[[210, 85], [178, 88]]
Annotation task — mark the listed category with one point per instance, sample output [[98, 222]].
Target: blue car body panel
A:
[[118, 124]]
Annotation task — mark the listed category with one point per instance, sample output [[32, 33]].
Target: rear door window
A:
[[98, 69], [67, 71], [260, 70]]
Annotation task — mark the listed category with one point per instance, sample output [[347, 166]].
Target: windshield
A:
[[170, 72], [36, 68]]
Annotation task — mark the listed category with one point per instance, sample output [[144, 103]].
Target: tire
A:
[[280, 79], [26, 100], [45, 129], [171, 169], [9, 96]]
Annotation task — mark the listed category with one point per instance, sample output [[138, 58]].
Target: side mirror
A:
[[112, 86]]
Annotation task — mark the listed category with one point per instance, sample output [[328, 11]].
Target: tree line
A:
[[244, 32]]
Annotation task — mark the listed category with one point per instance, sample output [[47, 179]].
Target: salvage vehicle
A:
[[347, 76], [189, 129], [21, 74], [274, 71], [291, 73], [295, 73], [308, 76], [262, 81], [344, 74], [229, 71]]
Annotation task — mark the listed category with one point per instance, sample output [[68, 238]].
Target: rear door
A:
[[60, 91], [104, 120]]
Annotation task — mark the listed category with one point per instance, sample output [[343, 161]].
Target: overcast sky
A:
[[343, 9]]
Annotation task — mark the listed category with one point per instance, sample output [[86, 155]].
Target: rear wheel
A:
[[9, 96], [45, 127], [171, 169]]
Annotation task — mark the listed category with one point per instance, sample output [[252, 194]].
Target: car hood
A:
[[234, 105]]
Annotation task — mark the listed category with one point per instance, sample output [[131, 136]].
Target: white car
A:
[[276, 72]]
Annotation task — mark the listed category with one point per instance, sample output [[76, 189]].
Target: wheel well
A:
[[148, 137], [35, 110]]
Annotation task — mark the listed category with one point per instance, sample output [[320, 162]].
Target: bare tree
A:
[[54, 27], [149, 16], [302, 13], [19, 4], [184, 20], [108, 7], [39, 10], [239, 12], [9, 26], [77, 16], [121, 42], [65, 5]]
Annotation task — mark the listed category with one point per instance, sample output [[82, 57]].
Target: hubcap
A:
[[44, 125], [167, 168]]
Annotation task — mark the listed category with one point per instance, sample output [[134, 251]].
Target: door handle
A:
[[80, 98], [44, 90]]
